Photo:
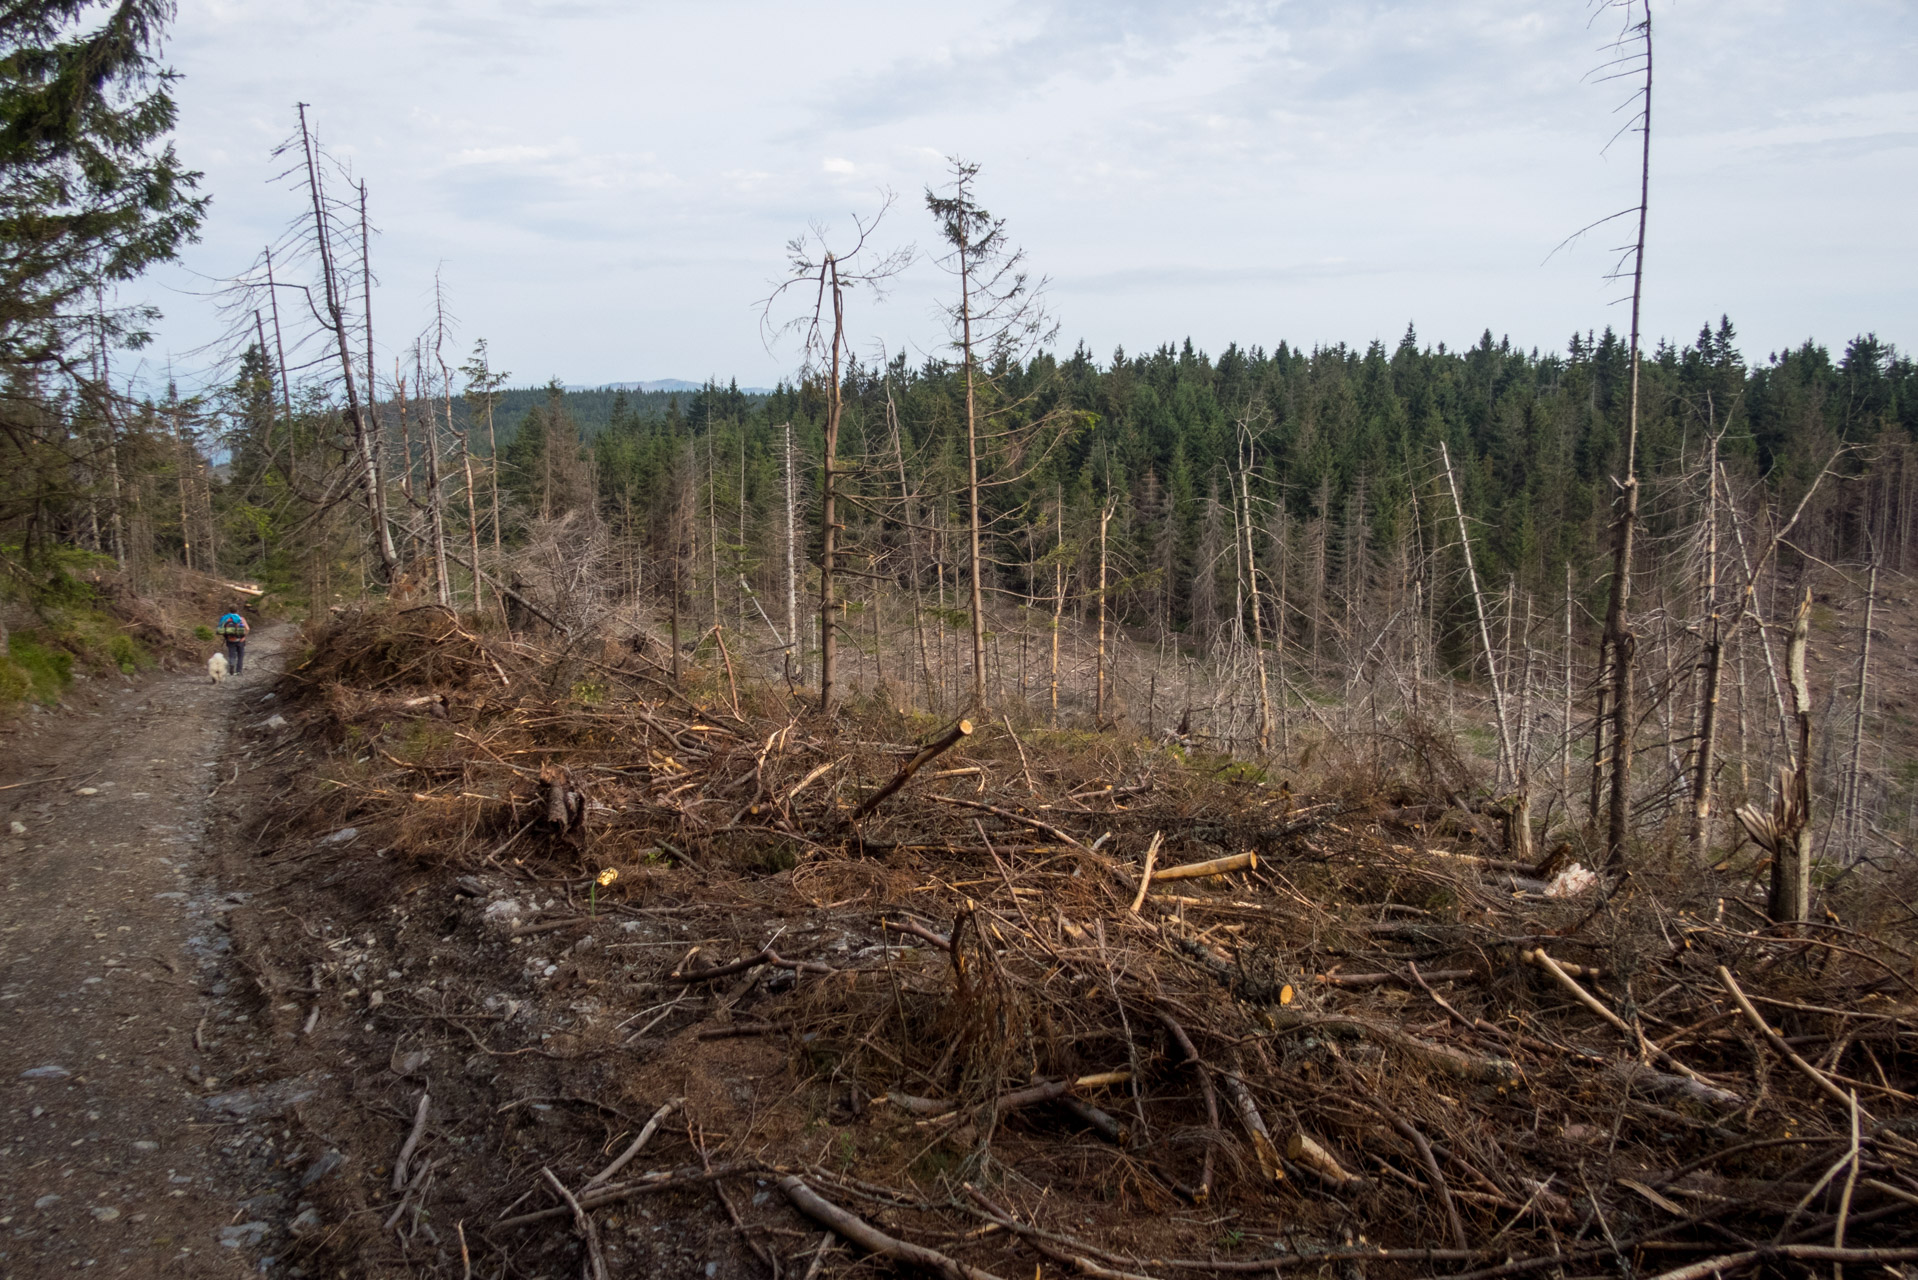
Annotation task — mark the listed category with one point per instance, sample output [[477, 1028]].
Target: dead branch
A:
[[1777, 1041], [871, 1239], [588, 1232], [926, 755]]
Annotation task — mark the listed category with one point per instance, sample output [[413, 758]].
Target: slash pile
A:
[[1001, 996]]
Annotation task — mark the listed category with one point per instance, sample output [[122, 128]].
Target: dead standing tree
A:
[[831, 274], [1618, 645], [1000, 311], [365, 443]]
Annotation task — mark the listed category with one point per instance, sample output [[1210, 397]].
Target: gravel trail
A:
[[138, 1102]]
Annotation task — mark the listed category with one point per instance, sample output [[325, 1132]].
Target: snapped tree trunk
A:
[[1791, 856]]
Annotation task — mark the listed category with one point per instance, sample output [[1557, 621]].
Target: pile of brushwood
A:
[[1112, 1007]]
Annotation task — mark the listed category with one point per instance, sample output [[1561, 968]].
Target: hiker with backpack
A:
[[233, 630]]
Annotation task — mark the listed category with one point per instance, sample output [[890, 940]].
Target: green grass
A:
[[74, 627], [38, 671]]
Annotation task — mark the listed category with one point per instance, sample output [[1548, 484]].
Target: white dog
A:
[[216, 667]]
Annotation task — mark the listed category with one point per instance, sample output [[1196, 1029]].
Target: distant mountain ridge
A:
[[658, 384]]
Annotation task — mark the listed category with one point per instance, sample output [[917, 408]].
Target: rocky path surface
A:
[[138, 1107]]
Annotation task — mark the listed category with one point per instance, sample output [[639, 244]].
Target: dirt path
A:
[[125, 1145]]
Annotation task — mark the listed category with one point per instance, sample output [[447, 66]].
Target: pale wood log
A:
[[1214, 867], [1300, 1149]]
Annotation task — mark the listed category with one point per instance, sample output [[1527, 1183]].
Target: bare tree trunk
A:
[[1281, 557], [436, 490], [1565, 741], [374, 426], [1620, 640], [406, 434], [1506, 759], [1854, 802], [1258, 626], [1525, 695], [792, 573], [184, 482], [472, 517], [110, 421], [1099, 690], [972, 488], [435, 502], [911, 519], [492, 470], [362, 436], [712, 518], [829, 496], [1058, 598], [1714, 665]]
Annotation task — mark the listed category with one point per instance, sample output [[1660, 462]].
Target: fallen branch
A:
[[1645, 1047], [1380, 979], [412, 1142], [1456, 1063], [927, 754], [765, 955], [1777, 1042], [1145, 878], [1180, 1038], [584, 1221], [638, 1144], [1798, 1252], [1045, 828], [1262, 1148], [646, 1184], [870, 1238], [914, 929]]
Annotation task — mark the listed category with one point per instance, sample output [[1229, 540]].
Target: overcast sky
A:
[[607, 188]]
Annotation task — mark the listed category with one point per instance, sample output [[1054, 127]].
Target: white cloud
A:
[[610, 186]]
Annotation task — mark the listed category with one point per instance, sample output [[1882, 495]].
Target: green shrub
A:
[[203, 632]]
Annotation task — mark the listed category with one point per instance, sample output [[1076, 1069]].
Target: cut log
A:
[[1215, 867]]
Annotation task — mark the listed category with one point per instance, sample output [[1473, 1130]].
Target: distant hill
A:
[[658, 384]]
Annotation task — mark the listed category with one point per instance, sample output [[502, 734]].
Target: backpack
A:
[[233, 627]]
